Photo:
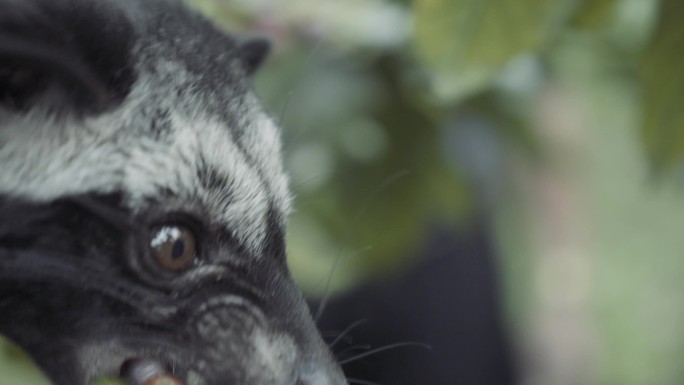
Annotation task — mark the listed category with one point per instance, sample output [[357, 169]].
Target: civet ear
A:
[[253, 53]]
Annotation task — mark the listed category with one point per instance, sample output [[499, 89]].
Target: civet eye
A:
[[173, 247]]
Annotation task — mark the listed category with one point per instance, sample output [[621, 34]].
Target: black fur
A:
[[85, 54], [86, 50], [79, 288], [253, 53]]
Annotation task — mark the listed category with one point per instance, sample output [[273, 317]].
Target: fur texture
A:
[[117, 116]]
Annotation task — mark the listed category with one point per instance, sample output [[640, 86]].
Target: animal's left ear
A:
[[253, 53]]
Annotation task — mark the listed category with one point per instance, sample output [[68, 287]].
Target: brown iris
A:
[[173, 247]]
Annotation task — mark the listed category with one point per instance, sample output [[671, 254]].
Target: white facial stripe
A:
[[262, 137], [43, 159], [245, 212]]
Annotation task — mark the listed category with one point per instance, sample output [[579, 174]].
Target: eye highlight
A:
[[173, 247]]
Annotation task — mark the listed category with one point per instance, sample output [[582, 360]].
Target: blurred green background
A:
[[560, 121]]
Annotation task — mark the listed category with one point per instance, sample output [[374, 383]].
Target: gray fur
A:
[[178, 131], [46, 157]]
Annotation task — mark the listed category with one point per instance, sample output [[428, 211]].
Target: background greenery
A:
[[560, 121]]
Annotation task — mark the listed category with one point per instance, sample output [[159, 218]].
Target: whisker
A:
[[312, 177], [346, 331], [361, 382], [352, 348], [382, 349], [330, 333], [288, 98], [163, 342], [347, 238], [353, 254]]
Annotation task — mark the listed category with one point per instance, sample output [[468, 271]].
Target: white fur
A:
[[43, 158]]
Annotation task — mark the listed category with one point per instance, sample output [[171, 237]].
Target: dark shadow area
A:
[[448, 300]]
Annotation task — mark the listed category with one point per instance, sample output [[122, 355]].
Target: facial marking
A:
[[185, 135], [44, 158]]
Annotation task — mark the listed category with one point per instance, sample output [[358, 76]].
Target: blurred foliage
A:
[[16, 368], [663, 92], [109, 381], [359, 109], [594, 14], [465, 43], [401, 115]]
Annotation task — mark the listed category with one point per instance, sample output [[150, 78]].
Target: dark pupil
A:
[[178, 248]]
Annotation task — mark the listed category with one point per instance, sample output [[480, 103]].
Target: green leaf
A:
[[663, 89], [16, 368], [465, 42], [594, 14]]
